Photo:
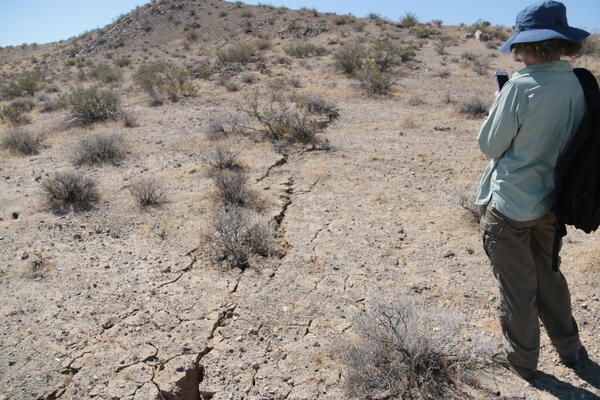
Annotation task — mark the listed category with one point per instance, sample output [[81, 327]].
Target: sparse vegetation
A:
[[472, 210], [475, 106], [14, 115], [305, 50], [406, 350], [232, 188], [70, 191], [409, 20], [148, 193], [222, 158], [100, 149], [92, 105], [25, 84], [22, 141], [376, 82], [106, 73]]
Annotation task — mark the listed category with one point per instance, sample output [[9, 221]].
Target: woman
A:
[[529, 125]]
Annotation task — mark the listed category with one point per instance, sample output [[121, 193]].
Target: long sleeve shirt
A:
[[529, 125]]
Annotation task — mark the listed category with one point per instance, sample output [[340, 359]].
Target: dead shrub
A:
[[100, 149], [148, 193], [236, 235], [407, 350], [221, 158], [70, 191], [317, 104], [22, 142], [472, 210], [232, 188], [475, 106]]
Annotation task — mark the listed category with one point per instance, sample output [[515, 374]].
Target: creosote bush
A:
[[99, 149], [87, 106], [148, 193], [25, 84], [305, 50], [240, 53], [406, 350], [475, 106], [232, 188], [14, 115], [350, 58], [375, 82], [106, 73], [409, 20], [22, 142], [70, 191], [162, 79]]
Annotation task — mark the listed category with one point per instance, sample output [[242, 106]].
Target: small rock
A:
[[448, 254], [24, 256], [114, 235], [109, 323], [15, 215]]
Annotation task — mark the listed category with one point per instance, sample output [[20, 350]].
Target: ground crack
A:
[[277, 163]]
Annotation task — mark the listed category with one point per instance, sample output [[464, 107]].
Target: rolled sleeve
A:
[[502, 123]]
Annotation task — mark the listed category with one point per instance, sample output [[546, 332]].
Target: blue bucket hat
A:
[[543, 20]]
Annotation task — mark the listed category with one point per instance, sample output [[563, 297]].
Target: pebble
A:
[[15, 215], [448, 254], [24, 256]]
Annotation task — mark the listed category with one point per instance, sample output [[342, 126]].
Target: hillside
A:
[[248, 182]]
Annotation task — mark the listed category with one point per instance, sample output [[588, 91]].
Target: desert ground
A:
[[122, 300]]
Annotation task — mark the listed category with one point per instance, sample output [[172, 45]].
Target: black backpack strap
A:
[[590, 88], [559, 233]]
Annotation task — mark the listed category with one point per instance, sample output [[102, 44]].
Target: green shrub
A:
[[423, 31], [409, 20], [306, 50], [25, 84], [164, 79], [123, 62], [342, 19], [376, 82], [14, 115], [92, 105], [240, 53], [106, 73], [350, 58]]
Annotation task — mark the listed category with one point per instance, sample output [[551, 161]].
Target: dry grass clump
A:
[[148, 193], [232, 188], [406, 350], [70, 191], [472, 210], [100, 149], [92, 105], [317, 104], [22, 142], [475, 106], [164, 79], [479, 63], [236, 235]]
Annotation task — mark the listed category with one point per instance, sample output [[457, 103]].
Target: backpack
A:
[[577, 174]]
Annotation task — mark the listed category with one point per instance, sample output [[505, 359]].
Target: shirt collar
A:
[[554, 66]]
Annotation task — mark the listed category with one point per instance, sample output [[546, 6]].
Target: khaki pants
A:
[[521, 258]]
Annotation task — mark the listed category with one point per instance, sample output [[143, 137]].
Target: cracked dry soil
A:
[[127, 305]]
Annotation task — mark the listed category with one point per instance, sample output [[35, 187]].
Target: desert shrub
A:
[[494, 32], [437, 22], [92, 105], [263, 44], [342, 20], [409, 20], [249, 77], [407, 350], [59, 103], [123, 62], [317, 104], [99, 149], [376, 82], [25, 84], [283, 118], [129, 119], [70, 191], [14, 115], [235, 236], [423, 31], [22, 142], [475, 106], [592, 46], [163, 78], [241, 53], [232, 187], [221, 158], [350, 58], [479, 63], [472, 210], [201, 71], [231, 86], [305, 50], [148, 193], [106, 74], [385, 53]]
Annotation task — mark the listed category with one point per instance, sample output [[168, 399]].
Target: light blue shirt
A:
[[529, 125]]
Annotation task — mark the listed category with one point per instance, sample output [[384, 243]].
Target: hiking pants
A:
[[521, 258]]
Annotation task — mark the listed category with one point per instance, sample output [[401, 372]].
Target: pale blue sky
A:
[[42, 21]]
